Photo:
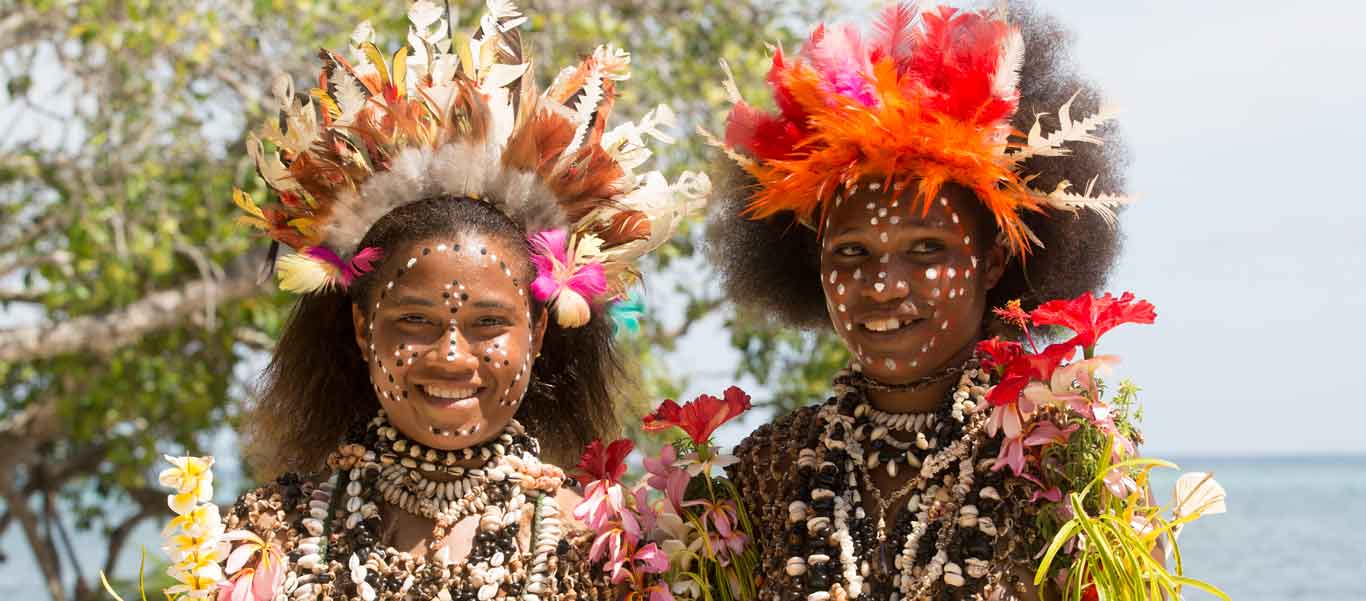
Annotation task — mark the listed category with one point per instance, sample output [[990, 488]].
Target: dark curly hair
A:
[[317, 385], [773, 265]]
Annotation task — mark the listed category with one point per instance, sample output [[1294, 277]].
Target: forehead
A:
[[479, 262], [873, 204]]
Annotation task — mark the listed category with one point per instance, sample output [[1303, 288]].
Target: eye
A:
[[414, 319], [850, 250], [927, 247], [492, 321]]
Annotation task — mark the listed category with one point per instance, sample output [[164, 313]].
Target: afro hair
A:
[[772, 266]]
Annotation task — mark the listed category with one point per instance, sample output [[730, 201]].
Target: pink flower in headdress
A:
[[571, 284]]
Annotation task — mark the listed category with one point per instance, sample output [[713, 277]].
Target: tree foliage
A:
[[131, 306]]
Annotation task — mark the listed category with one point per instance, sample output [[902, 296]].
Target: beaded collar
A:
[[343, 555], [941, 542]]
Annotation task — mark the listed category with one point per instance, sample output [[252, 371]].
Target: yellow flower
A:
[[191, 479], [201, 520]]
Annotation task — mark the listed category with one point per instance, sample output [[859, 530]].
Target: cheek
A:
[[508, 359]]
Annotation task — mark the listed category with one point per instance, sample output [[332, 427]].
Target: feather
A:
[[247, 205], [894, 36], [622, 227], [583, 111], [1005, 80], [732, 90], [301, 273]]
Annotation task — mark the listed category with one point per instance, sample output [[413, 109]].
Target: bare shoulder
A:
[[568, 498]]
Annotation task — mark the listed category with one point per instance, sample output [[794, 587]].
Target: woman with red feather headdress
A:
[[911, 180]]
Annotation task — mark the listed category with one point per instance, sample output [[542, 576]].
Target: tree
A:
[[130, 302]]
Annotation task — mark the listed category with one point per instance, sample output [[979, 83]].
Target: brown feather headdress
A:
[[461, 118]]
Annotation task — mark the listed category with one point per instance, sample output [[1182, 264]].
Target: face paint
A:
[[917, 313], [456, 321]]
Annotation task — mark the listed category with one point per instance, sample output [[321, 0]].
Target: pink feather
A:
[[894, 34]]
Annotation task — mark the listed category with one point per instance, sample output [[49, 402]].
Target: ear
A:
[[538, 336], [359, 325], [997, 261]]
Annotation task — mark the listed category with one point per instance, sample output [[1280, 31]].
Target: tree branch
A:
[[104, 334]]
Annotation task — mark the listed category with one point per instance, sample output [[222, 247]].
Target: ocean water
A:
[[1294, 531]]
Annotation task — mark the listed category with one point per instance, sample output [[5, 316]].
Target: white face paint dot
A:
[[901, 284], [879, 286], [841, 307], [952, 273], [872, 221], [840, 290], [885, 258], [832, 276], [895, 219], [935, 293], [872, 205], [888, 363], [967, 239], [875, 186], [954, 217], [881, 275], [412, 262], [942, 326], [943, 201], [881, 236], [967, 273], [953, 293], [848, 326], [882, 212], [858, 274], [932, 274]]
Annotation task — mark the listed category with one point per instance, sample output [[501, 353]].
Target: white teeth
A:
[[882, 325], [450, 393]]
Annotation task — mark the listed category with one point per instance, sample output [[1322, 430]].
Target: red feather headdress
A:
[[928, 96]]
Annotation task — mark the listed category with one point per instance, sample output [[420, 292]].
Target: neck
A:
[[923, 399]]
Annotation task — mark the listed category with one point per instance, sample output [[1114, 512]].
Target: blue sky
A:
[[1245, 122]]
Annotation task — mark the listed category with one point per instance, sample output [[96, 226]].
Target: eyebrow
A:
[[489, 304], [414, 300]]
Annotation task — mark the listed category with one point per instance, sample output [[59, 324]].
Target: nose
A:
[[455, 355], [881, 284]]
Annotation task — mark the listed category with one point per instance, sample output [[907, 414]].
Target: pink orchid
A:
[[602, 502], [258, 583], [570, 284], [1047, 432], [1011, 455], [611, 544], [666, 477], [719, 523], [1010, 418]]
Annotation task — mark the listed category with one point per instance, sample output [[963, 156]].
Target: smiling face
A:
[[449, 338], [907, 290]]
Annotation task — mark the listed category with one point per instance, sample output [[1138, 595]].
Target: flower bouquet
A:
[[1102, 536], [679, 533], [206, 561]]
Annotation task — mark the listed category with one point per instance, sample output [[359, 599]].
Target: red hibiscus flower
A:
[[998, 353], [1090, 317], [700, 416], [1024, 368], [608, 463]]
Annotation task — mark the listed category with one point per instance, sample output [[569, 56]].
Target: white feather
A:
[[303, 274], [1007, 77], [732, 90], [350, 96], [583, 112]]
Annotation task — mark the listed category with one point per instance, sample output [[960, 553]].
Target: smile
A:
[[449, 393], [890, 324]]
